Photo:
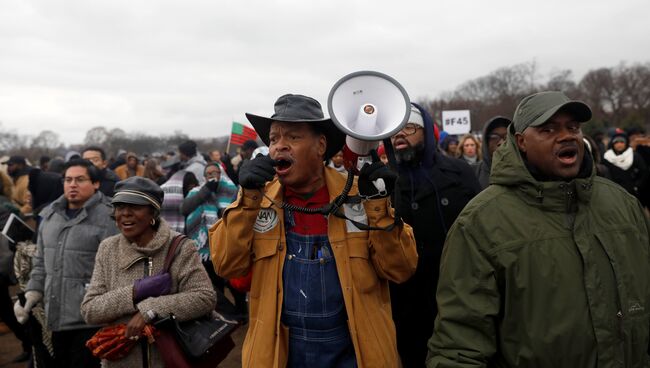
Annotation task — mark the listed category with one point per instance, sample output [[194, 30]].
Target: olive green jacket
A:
[[544, 274]]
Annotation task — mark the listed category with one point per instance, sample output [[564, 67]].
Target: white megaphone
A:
[[369, 107]]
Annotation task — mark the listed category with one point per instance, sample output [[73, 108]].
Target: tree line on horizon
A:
[[619, 97]]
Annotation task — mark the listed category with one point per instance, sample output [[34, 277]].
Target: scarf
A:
[[623, 161], [470, 160]]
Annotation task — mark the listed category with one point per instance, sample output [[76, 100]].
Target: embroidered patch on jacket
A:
[[635, 307], [266, 220], [357, 213]]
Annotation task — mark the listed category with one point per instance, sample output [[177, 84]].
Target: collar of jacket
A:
[[509, 170], [60, 204], [334, 181], [130, 253]]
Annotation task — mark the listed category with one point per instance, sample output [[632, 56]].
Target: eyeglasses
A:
[[493, 137], [78, 180], [213, 174], [410, 129]]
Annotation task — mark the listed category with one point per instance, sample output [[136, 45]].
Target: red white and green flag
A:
[[241, 133]]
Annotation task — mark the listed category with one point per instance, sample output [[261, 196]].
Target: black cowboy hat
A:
[[300, 109]]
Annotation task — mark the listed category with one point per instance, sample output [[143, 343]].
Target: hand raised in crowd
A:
[[256, 172], [212, 184]]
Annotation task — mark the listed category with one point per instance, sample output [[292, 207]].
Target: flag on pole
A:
[[241, 133]]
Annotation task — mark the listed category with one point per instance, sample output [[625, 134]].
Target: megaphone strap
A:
[[334, 207], [325, 210]]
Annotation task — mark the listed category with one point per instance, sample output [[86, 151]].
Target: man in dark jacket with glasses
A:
[[431, 191]]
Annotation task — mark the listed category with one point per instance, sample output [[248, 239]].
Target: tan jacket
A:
[[122, 171], [119, 263], [21, 194], [365, 260]]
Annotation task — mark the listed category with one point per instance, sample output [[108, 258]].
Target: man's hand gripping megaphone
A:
[[376, 180]]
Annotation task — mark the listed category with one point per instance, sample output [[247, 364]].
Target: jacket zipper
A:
[[568, 201], [150, 268]]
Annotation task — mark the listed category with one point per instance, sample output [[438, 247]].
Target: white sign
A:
[[456, 122]]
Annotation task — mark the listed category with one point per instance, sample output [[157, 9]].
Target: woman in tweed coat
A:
[[118, 295]]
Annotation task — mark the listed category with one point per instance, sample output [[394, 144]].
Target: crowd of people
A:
[[524, 245]]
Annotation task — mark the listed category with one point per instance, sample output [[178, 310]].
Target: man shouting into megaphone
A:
[[319, 295]]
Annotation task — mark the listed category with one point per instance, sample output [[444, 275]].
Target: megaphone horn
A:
[[368, 106]]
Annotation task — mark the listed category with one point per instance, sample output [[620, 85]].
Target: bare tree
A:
[[634, 81], [562, 81], [96, 136], [46, 140]]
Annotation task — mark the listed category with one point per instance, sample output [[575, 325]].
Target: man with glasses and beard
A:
[[429, 195]]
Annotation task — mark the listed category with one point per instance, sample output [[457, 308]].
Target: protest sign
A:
[[456, 122]]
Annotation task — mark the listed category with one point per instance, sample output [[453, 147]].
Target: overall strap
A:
[[171, 253]]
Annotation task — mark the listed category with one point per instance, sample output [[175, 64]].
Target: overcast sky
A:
[[160, 66]]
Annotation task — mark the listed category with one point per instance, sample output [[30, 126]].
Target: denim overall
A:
[[313, 307]]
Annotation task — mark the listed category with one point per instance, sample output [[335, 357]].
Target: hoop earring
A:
[[153, 222]]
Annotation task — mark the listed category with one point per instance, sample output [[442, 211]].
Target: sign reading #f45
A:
[[456, 122]]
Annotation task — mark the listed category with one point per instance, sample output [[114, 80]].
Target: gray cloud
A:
[[195, 66]]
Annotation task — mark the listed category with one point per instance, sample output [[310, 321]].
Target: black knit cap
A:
[[138, 190]]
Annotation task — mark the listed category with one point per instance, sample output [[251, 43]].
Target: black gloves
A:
[[255, 173], [372, 172], [212, 184]]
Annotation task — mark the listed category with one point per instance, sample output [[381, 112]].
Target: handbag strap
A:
[[171, 253]]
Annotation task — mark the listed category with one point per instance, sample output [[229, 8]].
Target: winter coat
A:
[[45, 187], [544, 274], [122, 171], [202, 208], [644, 152], [634, 179], [429, 196], [195, 165], [107, 182], [119, 263], [65, 257], [251, 234]]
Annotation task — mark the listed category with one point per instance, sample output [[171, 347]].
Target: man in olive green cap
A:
[[550, 265]]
